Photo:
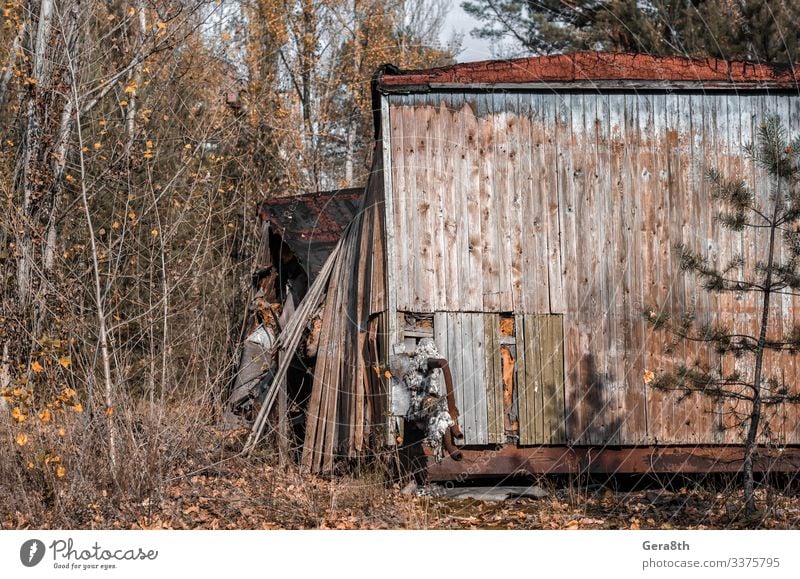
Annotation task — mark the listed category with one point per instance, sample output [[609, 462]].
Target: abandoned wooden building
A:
[[519, 216]]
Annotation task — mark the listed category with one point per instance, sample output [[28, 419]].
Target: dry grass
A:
[[178, 472]]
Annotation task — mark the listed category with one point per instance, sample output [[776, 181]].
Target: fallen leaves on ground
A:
[[225, 491]]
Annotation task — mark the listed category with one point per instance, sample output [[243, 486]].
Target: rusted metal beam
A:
[[513, 460], [451, 448], [591, 69], [451, 397]]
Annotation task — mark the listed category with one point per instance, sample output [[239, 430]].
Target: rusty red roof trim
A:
[[596, 66]]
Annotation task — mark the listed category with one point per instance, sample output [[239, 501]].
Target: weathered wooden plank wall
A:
[[569, 203]]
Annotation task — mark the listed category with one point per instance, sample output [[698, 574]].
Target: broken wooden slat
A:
[[288, 342]]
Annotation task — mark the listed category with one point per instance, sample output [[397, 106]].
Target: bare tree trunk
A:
[[102, 329], [136, 74], [5, 79], [349, 161], [32, 141], [59, 164]]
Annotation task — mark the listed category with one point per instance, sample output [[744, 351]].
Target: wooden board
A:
[[540, 379], [461, 339], [493, 379]]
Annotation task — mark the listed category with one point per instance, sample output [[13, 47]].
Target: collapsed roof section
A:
[[311, 224]]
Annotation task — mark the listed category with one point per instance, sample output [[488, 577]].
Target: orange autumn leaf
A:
[[37, 367], [44, 415], [61, 471], [22, 439], [65, 361]]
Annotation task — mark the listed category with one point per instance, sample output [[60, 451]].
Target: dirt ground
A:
[[238, 493]]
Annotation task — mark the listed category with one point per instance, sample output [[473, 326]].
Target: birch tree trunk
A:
[[26, 170]]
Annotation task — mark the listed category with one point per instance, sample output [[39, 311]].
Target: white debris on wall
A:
[[428, 396]]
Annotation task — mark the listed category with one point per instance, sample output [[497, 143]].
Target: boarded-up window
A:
[[489, 364]]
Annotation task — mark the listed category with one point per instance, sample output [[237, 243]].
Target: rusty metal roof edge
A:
[[592, 68], [665, 86], [313, 194]]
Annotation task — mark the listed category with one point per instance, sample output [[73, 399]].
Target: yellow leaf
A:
[[123, 103], [131, 11], [44, 415], [37, 367], [69, 178], [61, 471], [22, 439], [110, 411], [387, 374], [65, 361], [30, 465], [115, 225], [648, 376], [132, 215], [149, 144], [154, 232], [68, 393], [62, 432], [97, 145], [634, 525], [78, 408], [161, 25]]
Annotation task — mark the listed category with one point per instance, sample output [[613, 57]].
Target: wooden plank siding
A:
[[540, 379], [562, 209]]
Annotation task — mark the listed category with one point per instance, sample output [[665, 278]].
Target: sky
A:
[[460, 22]]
